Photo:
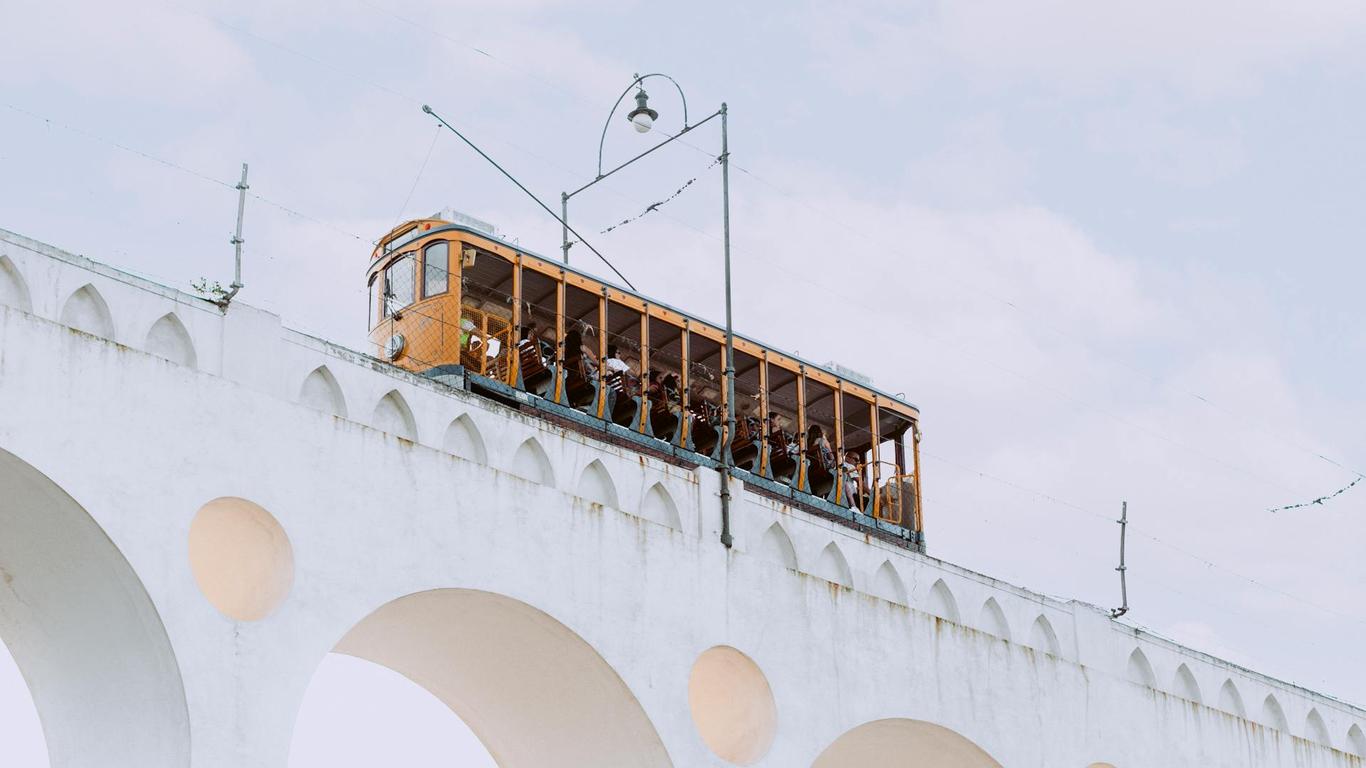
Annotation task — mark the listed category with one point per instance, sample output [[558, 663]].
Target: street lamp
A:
[[642, 118]]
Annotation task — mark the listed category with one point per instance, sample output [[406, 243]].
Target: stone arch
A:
[[1042, 637], [942, 602], [992, 619], [832, 566], [1273, 715], [320, 390], [1185, 686], [903, 743], [13, 289], [595, 485], [86, 310], [393, 415], [463, 439], [530, 463], [70, 603], [1230, 700], [168, 338], [1316, 730], [776, 546], [1140, 670], [501, 664], [887, 583], [1356, 740], [658, 506]]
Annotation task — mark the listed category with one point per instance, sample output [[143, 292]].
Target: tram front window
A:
[[435, 269], [399, 284]]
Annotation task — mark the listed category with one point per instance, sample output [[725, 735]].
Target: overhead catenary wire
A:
[[357, 237], [826, 214], [528, 192]]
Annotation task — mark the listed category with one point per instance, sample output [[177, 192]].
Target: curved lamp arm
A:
[[635, 83]]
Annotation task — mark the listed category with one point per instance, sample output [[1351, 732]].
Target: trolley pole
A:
[[726, 539], [237, 241], [1123, 570]]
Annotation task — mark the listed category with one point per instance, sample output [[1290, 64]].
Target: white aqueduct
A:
[[197, 506]]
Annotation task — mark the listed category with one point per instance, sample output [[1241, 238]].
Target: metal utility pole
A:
[[1123, 521], [237, 241]]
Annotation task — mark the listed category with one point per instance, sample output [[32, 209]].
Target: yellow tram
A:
[[451, 300]]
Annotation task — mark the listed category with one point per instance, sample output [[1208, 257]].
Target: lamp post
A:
[[642, 118]]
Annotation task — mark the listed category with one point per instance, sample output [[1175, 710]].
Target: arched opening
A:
[[1230, 700], [775, 546], [833, 567], [1140, 670], [531, 463], [1356, 740], [659, 507], [595, 485], [1316, 730], [393, 415], [464, 440], [357, 714], [902, 743], [21, 745], [1184, 685], [69, 604], [1272, 714], [992, 619], [887, 583], [13, 289], [86, 310], [168, 338], [320, 390], [1042, 637], [942, 603], [527, 686]]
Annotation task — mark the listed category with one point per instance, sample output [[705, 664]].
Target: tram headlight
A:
[[394, 347]]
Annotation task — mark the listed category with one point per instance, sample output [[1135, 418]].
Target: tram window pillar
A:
[[764, 443]]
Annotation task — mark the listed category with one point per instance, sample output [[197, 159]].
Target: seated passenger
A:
[[614, 362], [822, 455], [854, 488], [579, 377]]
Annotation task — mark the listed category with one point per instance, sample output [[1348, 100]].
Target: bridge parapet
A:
[[252, 349]]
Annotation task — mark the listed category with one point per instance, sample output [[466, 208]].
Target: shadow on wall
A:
[[69, 604]]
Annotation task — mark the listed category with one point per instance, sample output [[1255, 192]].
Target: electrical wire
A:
[[747, 172]]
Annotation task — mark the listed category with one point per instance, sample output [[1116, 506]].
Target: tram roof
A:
[[451, 227]]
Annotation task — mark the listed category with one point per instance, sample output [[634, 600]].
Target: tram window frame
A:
[[370, 302], [427, 250], [391, 305]]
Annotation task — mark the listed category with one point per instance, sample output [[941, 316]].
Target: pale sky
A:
[[1111, 250]]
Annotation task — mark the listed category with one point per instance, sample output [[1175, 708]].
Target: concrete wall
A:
[[599, 571]]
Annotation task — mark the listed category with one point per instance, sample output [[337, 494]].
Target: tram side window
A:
[[399, 284], [435, 269]]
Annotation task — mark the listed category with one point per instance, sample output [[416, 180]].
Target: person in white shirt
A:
[[614, 363]]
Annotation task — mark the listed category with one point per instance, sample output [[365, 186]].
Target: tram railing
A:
[[895, 500]]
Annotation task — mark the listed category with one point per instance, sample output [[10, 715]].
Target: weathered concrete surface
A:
[[560, 615]]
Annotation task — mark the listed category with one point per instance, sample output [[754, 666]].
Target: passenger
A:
[[614, 362], [855, 490], [820, 449]]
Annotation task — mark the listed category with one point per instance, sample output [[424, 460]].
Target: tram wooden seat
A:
[[820, 475], [624, 402], [744, 449], [579, 385], [782, 457], [535, 374], [706, 425]]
